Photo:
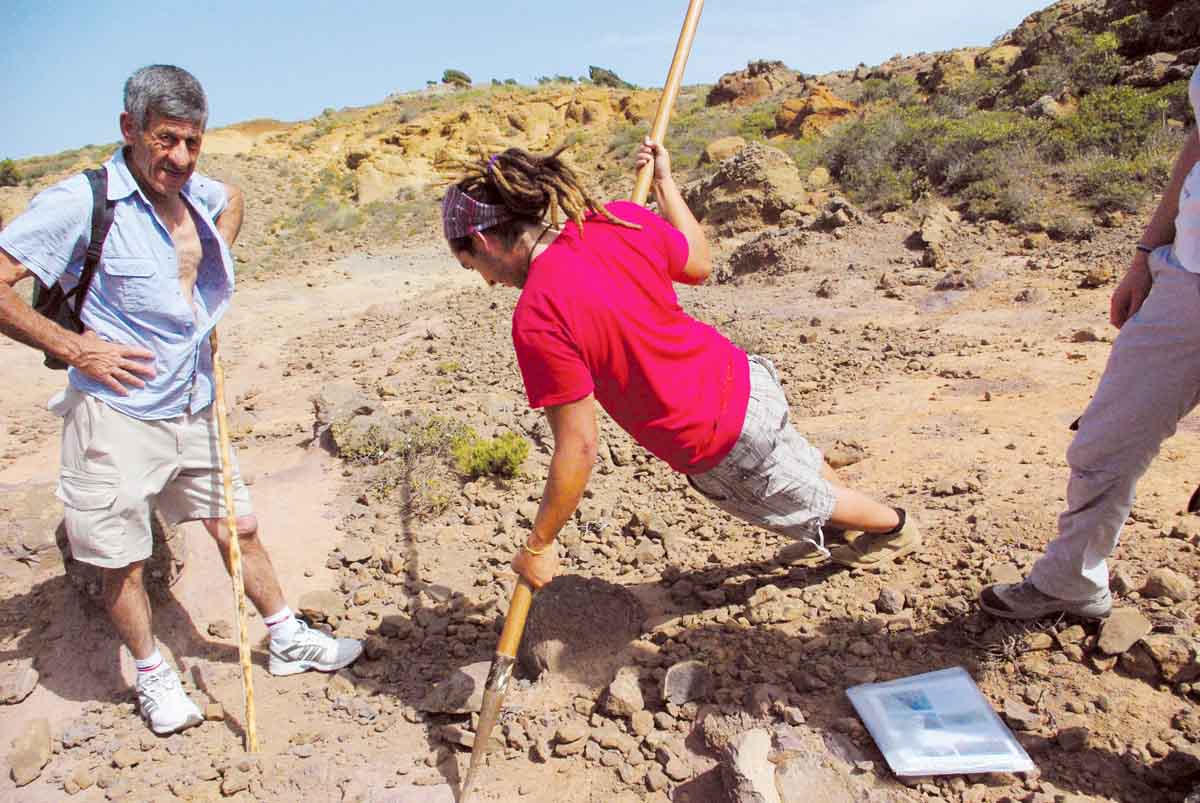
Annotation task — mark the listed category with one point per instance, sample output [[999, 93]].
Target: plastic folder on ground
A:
[[938, 723]]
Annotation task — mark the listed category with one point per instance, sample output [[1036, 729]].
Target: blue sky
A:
[[64, 62]]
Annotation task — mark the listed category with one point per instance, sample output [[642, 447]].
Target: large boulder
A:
[[813, 113], [998, 59], [721, 149], [777, 251], [950, 69], [1154, 70], [750, 190], [578, 627], [759, 80]]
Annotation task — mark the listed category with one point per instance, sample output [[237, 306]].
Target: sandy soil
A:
[[954, 403]]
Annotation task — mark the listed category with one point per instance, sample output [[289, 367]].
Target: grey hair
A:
[[167, 91]]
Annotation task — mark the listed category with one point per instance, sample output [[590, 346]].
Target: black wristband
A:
[[1145, 249]]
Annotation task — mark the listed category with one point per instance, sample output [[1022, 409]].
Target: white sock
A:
[[282, 624], [148, 664]]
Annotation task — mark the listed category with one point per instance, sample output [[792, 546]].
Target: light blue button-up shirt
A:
[[135, 296]]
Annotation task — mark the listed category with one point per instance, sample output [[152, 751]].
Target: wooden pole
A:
[[235, 548], [641, 190], [498, 678]]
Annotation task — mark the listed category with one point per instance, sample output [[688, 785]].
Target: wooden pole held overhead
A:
[[641, 190]]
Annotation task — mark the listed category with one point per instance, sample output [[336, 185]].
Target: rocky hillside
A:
[[1066, 122]]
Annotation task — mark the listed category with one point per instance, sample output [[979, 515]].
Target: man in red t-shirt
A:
[[598, 320]]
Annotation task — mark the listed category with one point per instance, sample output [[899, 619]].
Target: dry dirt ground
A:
[[954, 403]]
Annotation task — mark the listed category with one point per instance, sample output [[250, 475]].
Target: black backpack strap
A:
[[102, 218]]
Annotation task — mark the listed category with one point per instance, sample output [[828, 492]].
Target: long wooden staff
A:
[[498, 678], [670, 91], [235, 548]]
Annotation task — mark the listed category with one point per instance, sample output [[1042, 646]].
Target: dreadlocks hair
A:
[[531, 187]]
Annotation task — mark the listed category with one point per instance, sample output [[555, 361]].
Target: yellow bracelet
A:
[[536, 552]]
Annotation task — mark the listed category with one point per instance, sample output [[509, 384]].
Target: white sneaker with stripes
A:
[[311, 649], [163, 702]]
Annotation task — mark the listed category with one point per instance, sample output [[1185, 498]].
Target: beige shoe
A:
[[807, 552], [870, 550]]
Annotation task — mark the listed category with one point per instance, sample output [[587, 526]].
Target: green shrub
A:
[[1066, 226], [964, 97], [873, 90], [456, 78], [430, 435], [1112, 120], [602, 77], [758, 122], [498, 457], [9, 177], [1107, 183]]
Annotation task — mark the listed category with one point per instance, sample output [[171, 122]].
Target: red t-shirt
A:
[[598, 314]]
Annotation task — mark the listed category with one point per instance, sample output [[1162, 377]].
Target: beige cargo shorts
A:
[[114, 467]]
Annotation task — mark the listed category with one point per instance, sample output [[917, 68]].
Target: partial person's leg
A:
[[1151, 381], [774, 478], [198, 493], [128, 607], [854, 510], [262, 584]]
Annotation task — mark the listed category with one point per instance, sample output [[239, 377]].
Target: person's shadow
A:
[[61, 625]]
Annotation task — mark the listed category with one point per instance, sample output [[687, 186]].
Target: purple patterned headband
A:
[[463, 215]]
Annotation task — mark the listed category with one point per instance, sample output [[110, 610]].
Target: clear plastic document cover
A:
[[937, 723]]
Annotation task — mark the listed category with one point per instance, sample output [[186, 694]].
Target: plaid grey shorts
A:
[[772, 477]]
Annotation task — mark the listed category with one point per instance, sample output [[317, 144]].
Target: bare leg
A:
[[262, 586], [129, 608], [855, 510]]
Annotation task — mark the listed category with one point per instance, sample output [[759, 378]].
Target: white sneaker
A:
[[163, 702], [311, 649]]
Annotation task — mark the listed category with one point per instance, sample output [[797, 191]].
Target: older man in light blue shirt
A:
[[137, 416]]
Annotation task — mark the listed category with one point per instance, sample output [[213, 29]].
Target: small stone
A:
[[624, 695], [564, 749], [84, 777], [642, 722], [1072, 635], [355, 551], [339, 685], [656, 779], [214, 712], [685, 682], [126, 757], [235, 782], [749, 773], [78, 733], [676, 770], [220, 629], [891, 600], [1004, 573], [1122, 582], [1035, 642], [571, 731], [31, 751], [1169, 583], [460, 693], [1019, 715], [321, 605], [18, 679], [1123, 628]]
